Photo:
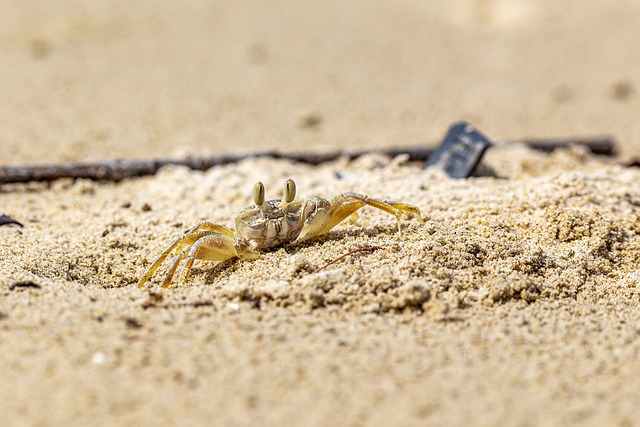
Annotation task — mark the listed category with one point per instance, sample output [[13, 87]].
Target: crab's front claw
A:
[[332, 213], [316, 214]]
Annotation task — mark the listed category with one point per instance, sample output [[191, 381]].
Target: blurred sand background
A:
[[515, 303], [89, 80]]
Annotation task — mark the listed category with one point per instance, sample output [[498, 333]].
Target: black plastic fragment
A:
[[4, 220], [461, 151]]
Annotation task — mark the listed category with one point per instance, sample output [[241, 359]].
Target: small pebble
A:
[[99, 358]]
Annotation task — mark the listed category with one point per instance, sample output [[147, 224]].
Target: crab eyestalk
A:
[[289, 193], [258, 196]]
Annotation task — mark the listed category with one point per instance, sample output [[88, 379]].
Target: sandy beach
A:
[[515, 302]]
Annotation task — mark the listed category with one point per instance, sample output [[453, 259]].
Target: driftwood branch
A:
[[604, 146], [117, 170]]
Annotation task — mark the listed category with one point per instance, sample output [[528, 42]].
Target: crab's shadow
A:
[[342, 234], [218, 271]]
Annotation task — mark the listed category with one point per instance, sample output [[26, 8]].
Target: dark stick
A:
[[117, 170], [598, 145]]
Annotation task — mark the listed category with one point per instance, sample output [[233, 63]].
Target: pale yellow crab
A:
[[266, 225]]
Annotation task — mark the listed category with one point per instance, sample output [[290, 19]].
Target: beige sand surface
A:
[[514, 303]]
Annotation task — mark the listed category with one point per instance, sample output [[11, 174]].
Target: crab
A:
[[264, 225]]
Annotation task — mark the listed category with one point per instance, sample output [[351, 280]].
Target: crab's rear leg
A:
[[173, 267], [209, 226], [214, 247], [347, 204], [192, 236]]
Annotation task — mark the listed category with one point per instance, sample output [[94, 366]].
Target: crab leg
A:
[[347, 204], [214, 247], [173, 267], [177, 245], [210, 226]]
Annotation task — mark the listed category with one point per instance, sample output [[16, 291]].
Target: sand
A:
[[514, 303]]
